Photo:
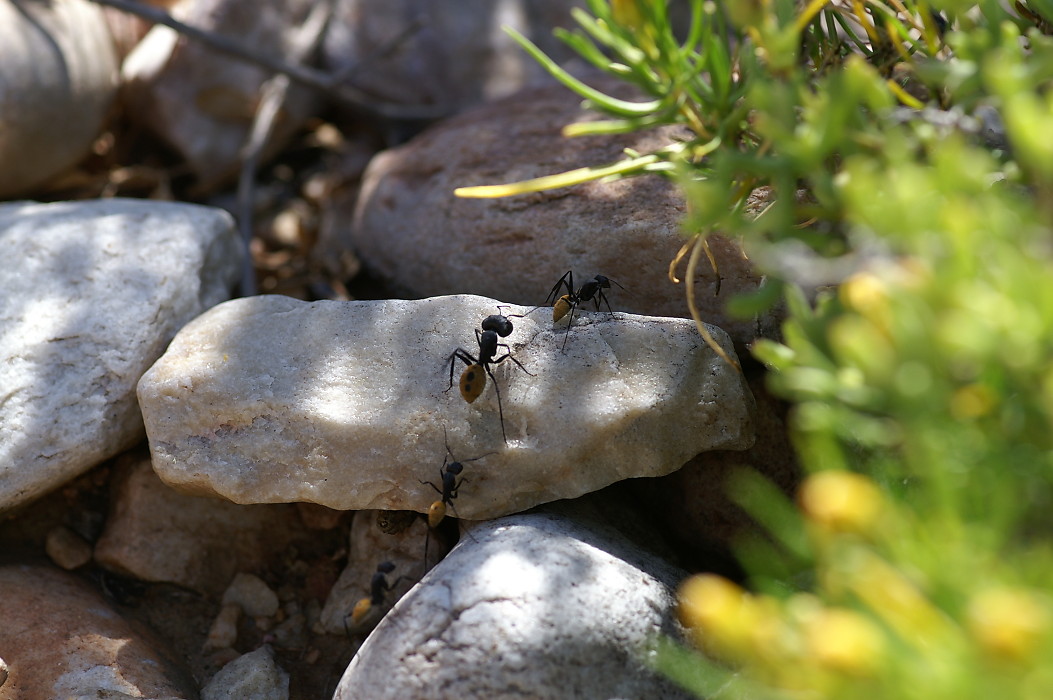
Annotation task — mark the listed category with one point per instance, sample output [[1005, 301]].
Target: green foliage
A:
[[907, 148]]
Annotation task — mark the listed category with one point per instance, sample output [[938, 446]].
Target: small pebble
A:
[[253, 595], [224, 630], [253, 675], [66, 548], [292, 633]]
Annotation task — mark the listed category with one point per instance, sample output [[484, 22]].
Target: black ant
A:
[[448, 473], [451, 485], [567, 303], [378, 589], [473, 379]]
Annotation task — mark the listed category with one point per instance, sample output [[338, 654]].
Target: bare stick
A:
[[272, 96], [319, 80]]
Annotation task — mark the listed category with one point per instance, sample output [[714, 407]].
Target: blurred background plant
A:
[[908, 149]]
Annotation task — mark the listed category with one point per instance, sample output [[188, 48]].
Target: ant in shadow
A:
[[568, 302], [448, 476], [379, 587], [473, 378]]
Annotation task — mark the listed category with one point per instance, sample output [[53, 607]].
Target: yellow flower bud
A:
[[864, 292], [719, 611], [897, 600], [706, 598], [1008, 623], [841, 501], [844, 641], [972, 401], [626, 13]]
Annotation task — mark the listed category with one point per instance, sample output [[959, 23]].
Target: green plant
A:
[[917, 559]]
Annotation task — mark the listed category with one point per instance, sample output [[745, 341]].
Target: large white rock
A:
[[345, 404], [536, 605], [92, 294]]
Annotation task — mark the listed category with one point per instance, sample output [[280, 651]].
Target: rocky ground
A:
[[196, 493]]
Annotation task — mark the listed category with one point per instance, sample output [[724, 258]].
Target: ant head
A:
[[498, 324], [454, 468], [385, 567]]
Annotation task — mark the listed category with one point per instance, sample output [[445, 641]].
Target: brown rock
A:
[[66, 548], [694, 503], [410, 228], [224, 630], [442, 52], [61, 640], [157, 534]]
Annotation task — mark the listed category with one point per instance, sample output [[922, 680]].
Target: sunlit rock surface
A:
[[537, 605], [90, 296], [348, 404]]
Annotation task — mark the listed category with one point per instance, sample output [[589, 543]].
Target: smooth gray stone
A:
[[90, 297]]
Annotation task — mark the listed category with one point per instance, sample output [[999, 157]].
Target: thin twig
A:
[[700, 245], [272, 96], [411, 28], [319, 80]]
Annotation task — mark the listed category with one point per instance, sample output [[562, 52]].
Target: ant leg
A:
[[427, 540], [462, 355], [566, 333], [500, 409], [508, 356], [400, 579], [456, 488], [554, 294], [452, 358], [603, 296], [431, 485]]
